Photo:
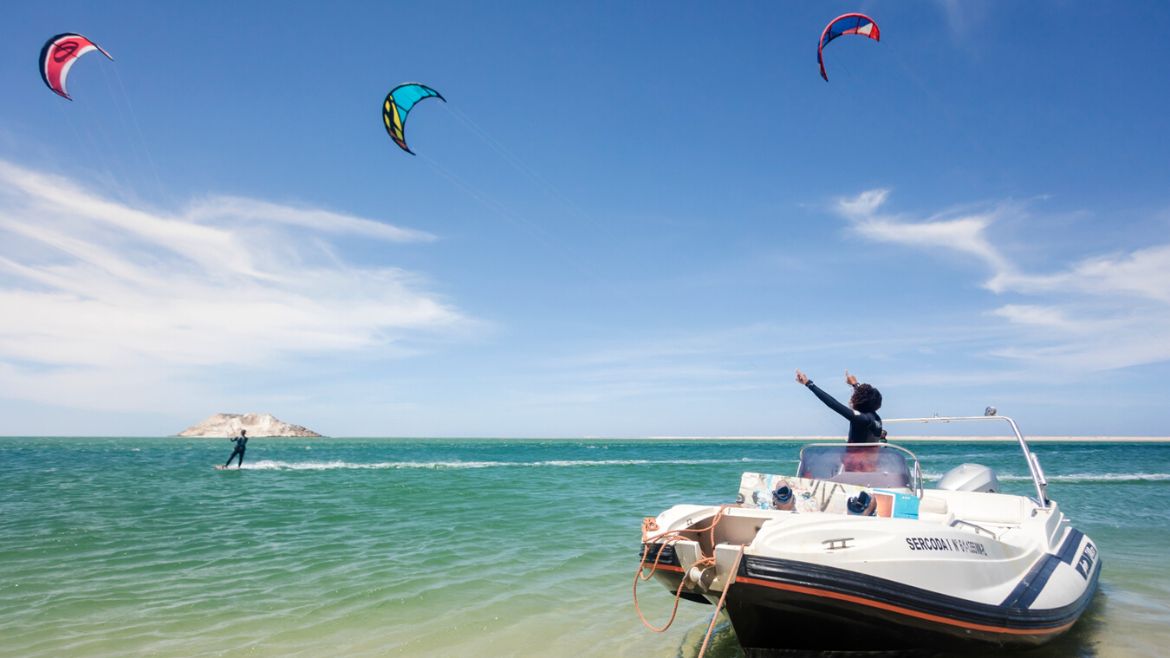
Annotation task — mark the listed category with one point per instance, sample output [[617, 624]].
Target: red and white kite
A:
[[59, 55]]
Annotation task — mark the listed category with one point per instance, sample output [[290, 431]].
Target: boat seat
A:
[[984, 508], [934, 509]]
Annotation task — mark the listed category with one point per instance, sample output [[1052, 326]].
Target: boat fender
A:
[[862, 504]]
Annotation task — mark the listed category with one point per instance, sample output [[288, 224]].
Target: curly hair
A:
[[865, 398]]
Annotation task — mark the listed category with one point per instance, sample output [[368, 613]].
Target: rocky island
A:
[[228, 425]]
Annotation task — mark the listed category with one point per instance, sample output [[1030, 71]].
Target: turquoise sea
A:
[[391, 547]]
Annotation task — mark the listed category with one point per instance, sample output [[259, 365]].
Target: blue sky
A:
[[630, 219]]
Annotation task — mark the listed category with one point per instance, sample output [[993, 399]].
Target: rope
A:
[[723, 597], [664, 539]]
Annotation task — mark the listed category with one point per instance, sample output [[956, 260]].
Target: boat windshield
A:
[[867, 465]]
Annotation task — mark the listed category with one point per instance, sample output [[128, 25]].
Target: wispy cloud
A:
[[963, 234], [1037, 316], [964, 19], [748, 360], [1142, 273], [1102, 312], [238, 209], [96, 294]]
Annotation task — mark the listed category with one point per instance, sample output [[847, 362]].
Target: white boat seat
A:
[[981, 508], [932, 505], [934, 509]]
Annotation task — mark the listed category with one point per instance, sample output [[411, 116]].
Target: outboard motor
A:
[[970, 477]]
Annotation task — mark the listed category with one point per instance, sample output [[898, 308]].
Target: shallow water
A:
[[387, 547]]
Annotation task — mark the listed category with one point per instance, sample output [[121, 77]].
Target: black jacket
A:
[[864, 427]]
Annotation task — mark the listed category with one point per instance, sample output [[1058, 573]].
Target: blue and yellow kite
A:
[[397, 106]]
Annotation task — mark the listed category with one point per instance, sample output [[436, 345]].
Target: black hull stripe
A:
[[1013, 613], [650, 551], [1025, 593], [1069, 548], [884, 592]]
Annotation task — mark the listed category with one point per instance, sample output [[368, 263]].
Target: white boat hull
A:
[[835, 565]]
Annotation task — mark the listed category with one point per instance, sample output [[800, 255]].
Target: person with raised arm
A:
[[865, 425]]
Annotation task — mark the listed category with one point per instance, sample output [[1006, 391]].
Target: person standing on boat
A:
[[865, 425], [241, 442]]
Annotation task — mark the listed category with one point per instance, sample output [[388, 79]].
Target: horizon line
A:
[[761, 437]]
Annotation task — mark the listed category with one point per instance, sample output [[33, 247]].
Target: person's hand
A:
[[801, 377], [850, 379]]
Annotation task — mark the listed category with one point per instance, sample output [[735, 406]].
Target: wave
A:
[[1095, 477], [277, 465], [1075, 477]]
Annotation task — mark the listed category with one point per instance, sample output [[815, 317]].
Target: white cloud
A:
[[1098, 313], [864, 206], [1144, 273], [237, 209], [1043, 316], [96, 294], [964, 234]]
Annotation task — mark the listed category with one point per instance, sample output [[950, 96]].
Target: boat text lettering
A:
[[1085, 563], [944, 544]]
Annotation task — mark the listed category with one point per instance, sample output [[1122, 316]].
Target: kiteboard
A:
[[221, 467]]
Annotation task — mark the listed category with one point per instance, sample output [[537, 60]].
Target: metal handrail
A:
[[978, 528], [1038, 477]]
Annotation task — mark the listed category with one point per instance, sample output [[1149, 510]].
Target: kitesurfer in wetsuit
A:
[[865, 426], [241, 442]]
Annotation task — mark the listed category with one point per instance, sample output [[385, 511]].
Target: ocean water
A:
[[386, 547]]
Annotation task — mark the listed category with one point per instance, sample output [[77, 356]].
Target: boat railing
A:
[[1034, 469], [975, 526]]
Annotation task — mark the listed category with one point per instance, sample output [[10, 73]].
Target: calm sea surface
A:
[[385, 547]]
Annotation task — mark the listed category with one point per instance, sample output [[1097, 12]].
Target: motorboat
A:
[[853, 553]]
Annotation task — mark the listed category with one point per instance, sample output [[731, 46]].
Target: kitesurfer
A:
[[865, 426], [241, 442]]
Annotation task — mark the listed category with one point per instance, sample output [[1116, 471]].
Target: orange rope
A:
[[662, 540], [674, 611], [723, 597]]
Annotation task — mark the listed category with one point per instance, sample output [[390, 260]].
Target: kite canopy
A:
[[858, 24], [59, 55], [397, 105]]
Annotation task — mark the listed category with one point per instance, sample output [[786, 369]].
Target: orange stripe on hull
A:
[[812, 591]]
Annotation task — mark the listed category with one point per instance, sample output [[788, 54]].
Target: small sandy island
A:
[[228, 425]]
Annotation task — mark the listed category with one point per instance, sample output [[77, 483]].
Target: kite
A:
[[59, 55], [397, 105], [859, 24]]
